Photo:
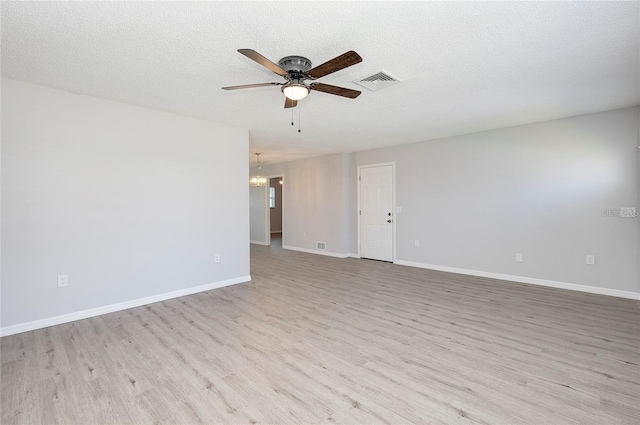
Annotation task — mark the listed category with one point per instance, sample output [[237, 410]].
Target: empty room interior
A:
[[320, 212]]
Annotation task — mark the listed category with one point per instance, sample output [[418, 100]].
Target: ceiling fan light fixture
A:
[[295, 91]]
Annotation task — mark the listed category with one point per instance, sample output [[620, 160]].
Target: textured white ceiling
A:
[[464, 67]]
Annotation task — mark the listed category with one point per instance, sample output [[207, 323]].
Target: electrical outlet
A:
[[417, 242], [216, 258], [63, 280], [519, 257], [591, 259]]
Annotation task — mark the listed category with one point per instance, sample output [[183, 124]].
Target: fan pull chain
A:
[[292, 122]]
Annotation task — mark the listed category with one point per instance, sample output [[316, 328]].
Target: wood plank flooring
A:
[[316, 339]]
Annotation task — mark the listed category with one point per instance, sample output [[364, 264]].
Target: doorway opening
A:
[[275, 227]]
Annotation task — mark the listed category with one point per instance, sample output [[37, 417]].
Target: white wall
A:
[[258, 214], [474, 201], [314, 202], [350, 195], [127, 201]]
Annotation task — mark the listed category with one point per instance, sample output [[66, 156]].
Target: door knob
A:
[[389, 221]]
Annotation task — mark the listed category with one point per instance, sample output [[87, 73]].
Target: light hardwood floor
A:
[[315, 339]]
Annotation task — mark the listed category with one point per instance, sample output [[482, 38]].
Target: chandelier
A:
[[258, 181]]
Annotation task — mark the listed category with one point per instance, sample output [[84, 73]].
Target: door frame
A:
[[393, 205], [267, 208]]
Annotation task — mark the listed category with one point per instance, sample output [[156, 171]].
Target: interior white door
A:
[[376, 218]]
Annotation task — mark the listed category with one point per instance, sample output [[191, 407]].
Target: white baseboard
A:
[[259, 243], [316, 251], [353, 255], [276, 231], [84, 314], [530, 280]]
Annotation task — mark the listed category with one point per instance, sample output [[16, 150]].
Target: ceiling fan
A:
[[297, 69]]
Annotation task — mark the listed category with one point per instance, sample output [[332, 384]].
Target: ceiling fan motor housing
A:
[[296, 66]]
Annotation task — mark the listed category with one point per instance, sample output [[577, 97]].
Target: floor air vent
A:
[[378, 81], [321, 246]]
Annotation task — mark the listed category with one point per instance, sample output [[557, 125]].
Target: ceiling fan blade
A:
[[250, 86], [339, 91], [253, 55], [345, 60], [290, 103]]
